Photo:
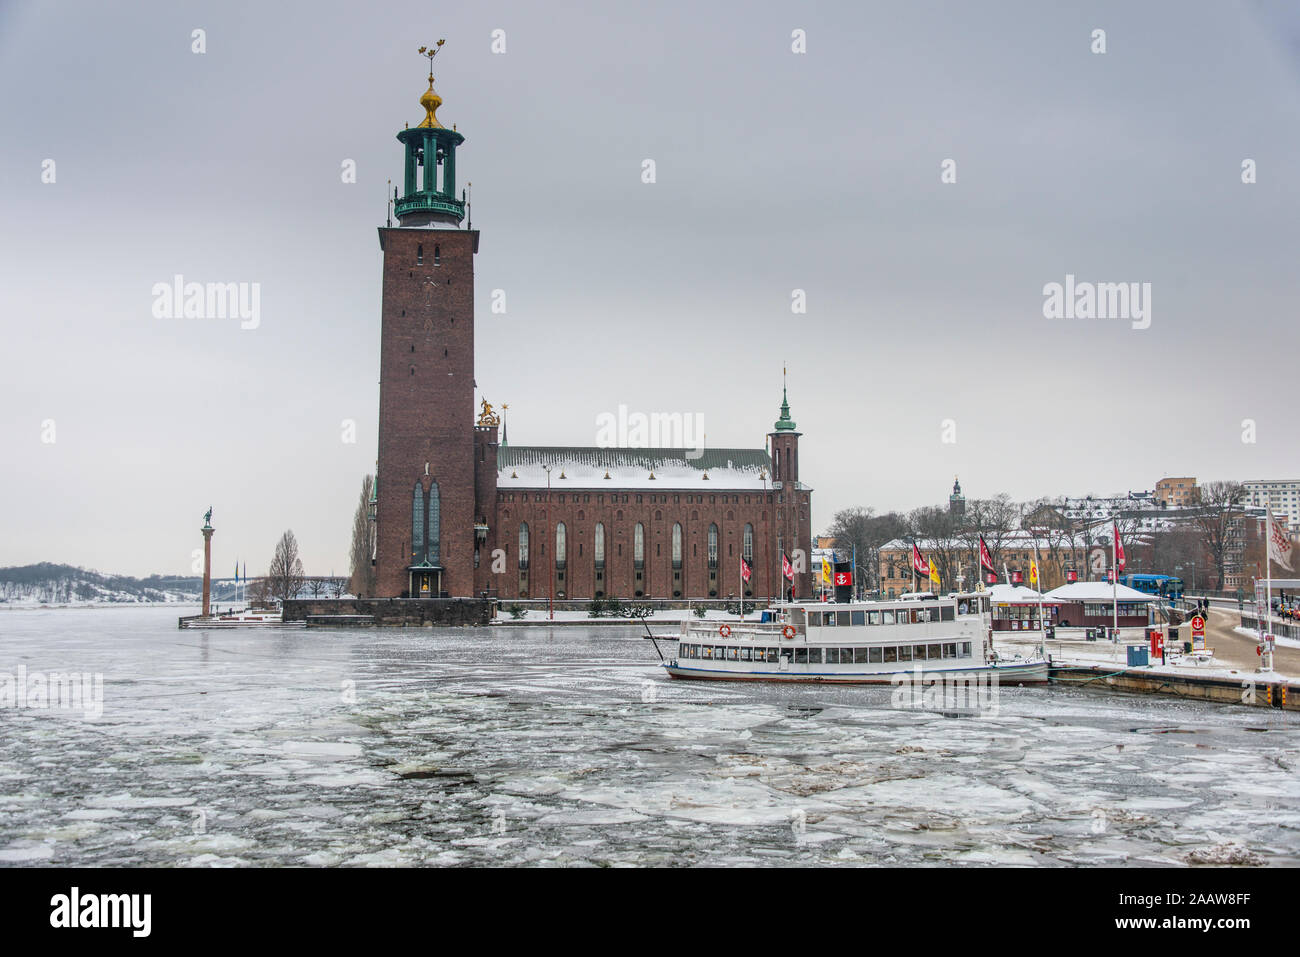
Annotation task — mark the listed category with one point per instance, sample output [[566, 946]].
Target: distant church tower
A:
[[956, 501], [425, 510]]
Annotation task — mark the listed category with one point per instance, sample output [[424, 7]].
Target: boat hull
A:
[[1031, 672]]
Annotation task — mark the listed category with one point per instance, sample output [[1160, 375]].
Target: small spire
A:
[[431, 100], [785, 423]]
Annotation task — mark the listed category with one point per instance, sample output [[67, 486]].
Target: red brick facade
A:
[[777, 523], [426, 402]]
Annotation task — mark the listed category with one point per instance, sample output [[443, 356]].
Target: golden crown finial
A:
[[431, 100]]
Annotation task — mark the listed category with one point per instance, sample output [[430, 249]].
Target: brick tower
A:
[[791, 517], [425, 507]]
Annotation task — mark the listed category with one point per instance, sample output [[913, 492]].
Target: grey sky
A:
[[775, 171]]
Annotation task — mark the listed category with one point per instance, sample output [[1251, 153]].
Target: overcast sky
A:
[[775, 171]]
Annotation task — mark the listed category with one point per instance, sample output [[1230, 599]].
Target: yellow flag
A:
[[1033, 573], [934, 571], [826, 571]]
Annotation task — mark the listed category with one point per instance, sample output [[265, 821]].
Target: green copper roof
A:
[[785, 423]]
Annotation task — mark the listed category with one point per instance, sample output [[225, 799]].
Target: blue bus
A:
[[1164, 586]]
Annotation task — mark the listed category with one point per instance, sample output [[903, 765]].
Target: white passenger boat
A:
[[852, 643]]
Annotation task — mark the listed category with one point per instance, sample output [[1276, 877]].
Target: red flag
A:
[[745, 570], [986, 558], [919, 564], [1119, 552], [786, 567]]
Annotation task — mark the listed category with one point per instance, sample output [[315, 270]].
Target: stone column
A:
[[207, 531]]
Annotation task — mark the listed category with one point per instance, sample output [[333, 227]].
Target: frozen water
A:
[[569, 746]]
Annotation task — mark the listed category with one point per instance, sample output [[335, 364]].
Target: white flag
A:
[[1280, 545]]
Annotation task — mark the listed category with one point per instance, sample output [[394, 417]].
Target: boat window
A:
[[950, 650], [963, 608], [945, 613], [832, 656], [965, 649], [814, 619], [905, 653], [874, 655], [918, 652], [887, 617], [814, 656], [830, 619], [936, 651], [797, 616], [873, 618], [859, 655], [708, 651], [891, 653], [744, 654], [733, 654], [801, 656], [773, 655], [859, 617], [842, 618]]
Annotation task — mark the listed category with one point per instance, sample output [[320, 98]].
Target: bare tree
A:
[[285, 577], [861, 530], [997, 519], [944, 546], [362, 582], [1219, 519]]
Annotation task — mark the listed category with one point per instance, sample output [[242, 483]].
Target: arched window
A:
[[749, 544], [600, 544], [419, 255], [417, 525], [776, 464], [523, 546], [677, 545], [434, 551], [713, 546], [638, 545], [437, 255], [561, 553]]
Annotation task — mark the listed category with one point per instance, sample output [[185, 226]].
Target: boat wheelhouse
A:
[[852, 643]]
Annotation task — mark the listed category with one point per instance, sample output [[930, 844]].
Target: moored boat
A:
[[853, 643]]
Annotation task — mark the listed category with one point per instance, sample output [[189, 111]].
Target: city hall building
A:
[[459, 512]]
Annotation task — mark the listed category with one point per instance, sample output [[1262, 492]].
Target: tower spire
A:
[[785, 423]]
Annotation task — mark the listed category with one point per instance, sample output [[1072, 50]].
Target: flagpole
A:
[[1038, 585], [1114, 578], [1266, 627]]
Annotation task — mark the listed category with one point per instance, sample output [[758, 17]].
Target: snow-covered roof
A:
[[1011, 594], [524, 466], [1096, 591]]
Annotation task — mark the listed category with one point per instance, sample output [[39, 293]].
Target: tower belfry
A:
[[429, 192]]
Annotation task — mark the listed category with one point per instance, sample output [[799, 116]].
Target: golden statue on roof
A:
[[487, 417]]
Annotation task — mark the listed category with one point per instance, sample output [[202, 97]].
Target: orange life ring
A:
[[725, 631], [788, 631]]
